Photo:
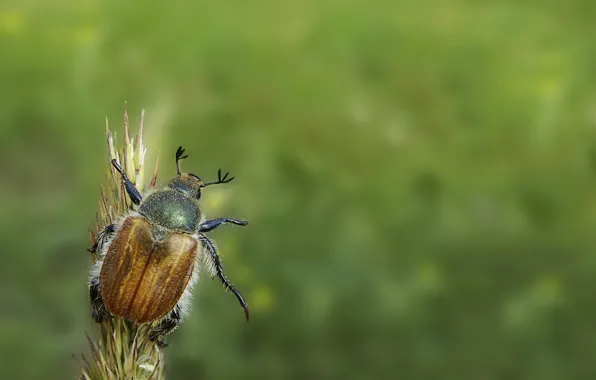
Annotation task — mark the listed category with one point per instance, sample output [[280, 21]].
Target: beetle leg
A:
[[219, 272], [101, 237], [214, 223], [132, 191], [166, 326], [98, 308]]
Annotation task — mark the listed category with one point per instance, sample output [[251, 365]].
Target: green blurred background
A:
[[419, 177]]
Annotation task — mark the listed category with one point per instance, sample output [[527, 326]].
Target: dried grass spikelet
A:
[[123, 350]]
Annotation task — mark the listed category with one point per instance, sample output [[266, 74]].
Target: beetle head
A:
[[189, 184]]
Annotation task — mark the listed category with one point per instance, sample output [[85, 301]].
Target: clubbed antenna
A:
[[179, 156], [219, 179]]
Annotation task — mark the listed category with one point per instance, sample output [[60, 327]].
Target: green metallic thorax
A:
[[172, 210]]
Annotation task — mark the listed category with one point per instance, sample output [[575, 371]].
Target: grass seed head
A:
[[123, 350]]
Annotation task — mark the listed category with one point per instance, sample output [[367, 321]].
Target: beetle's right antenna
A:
[[225, 179], [179, 156]]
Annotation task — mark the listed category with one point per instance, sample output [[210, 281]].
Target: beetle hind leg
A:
[[165, 327], [98, 308], [217, 271]]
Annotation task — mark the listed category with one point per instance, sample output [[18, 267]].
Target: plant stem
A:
[[123, 350]]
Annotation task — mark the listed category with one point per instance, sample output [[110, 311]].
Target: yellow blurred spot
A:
[[263, 299], [549, 86], [429, 275], [549, 286], [85, 36], [11, 23]]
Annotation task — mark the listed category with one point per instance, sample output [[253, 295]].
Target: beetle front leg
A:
[[214, 223], [165, 327], [98, 308], [219, 273], [132, 191]]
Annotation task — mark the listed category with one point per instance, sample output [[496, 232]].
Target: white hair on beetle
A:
[[104, 240]]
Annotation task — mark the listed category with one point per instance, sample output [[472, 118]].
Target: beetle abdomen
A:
[[142, 279]]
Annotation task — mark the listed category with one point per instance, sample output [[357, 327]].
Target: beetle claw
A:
[[246, 312]]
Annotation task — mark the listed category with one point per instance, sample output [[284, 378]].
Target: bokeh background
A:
[[419, 177]]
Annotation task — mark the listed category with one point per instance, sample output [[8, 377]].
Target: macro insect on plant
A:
[[148, 260]]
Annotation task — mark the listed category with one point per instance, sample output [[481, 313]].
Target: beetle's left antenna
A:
[[179, 156]]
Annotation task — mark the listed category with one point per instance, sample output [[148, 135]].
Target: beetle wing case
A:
[[142, 279]]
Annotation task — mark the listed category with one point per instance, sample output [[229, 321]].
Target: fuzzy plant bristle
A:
[[123, 349]]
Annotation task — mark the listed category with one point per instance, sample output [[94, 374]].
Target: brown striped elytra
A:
[[142, 279], [149, 260]]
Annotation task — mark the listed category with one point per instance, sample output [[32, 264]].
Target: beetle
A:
[[148, 260]]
